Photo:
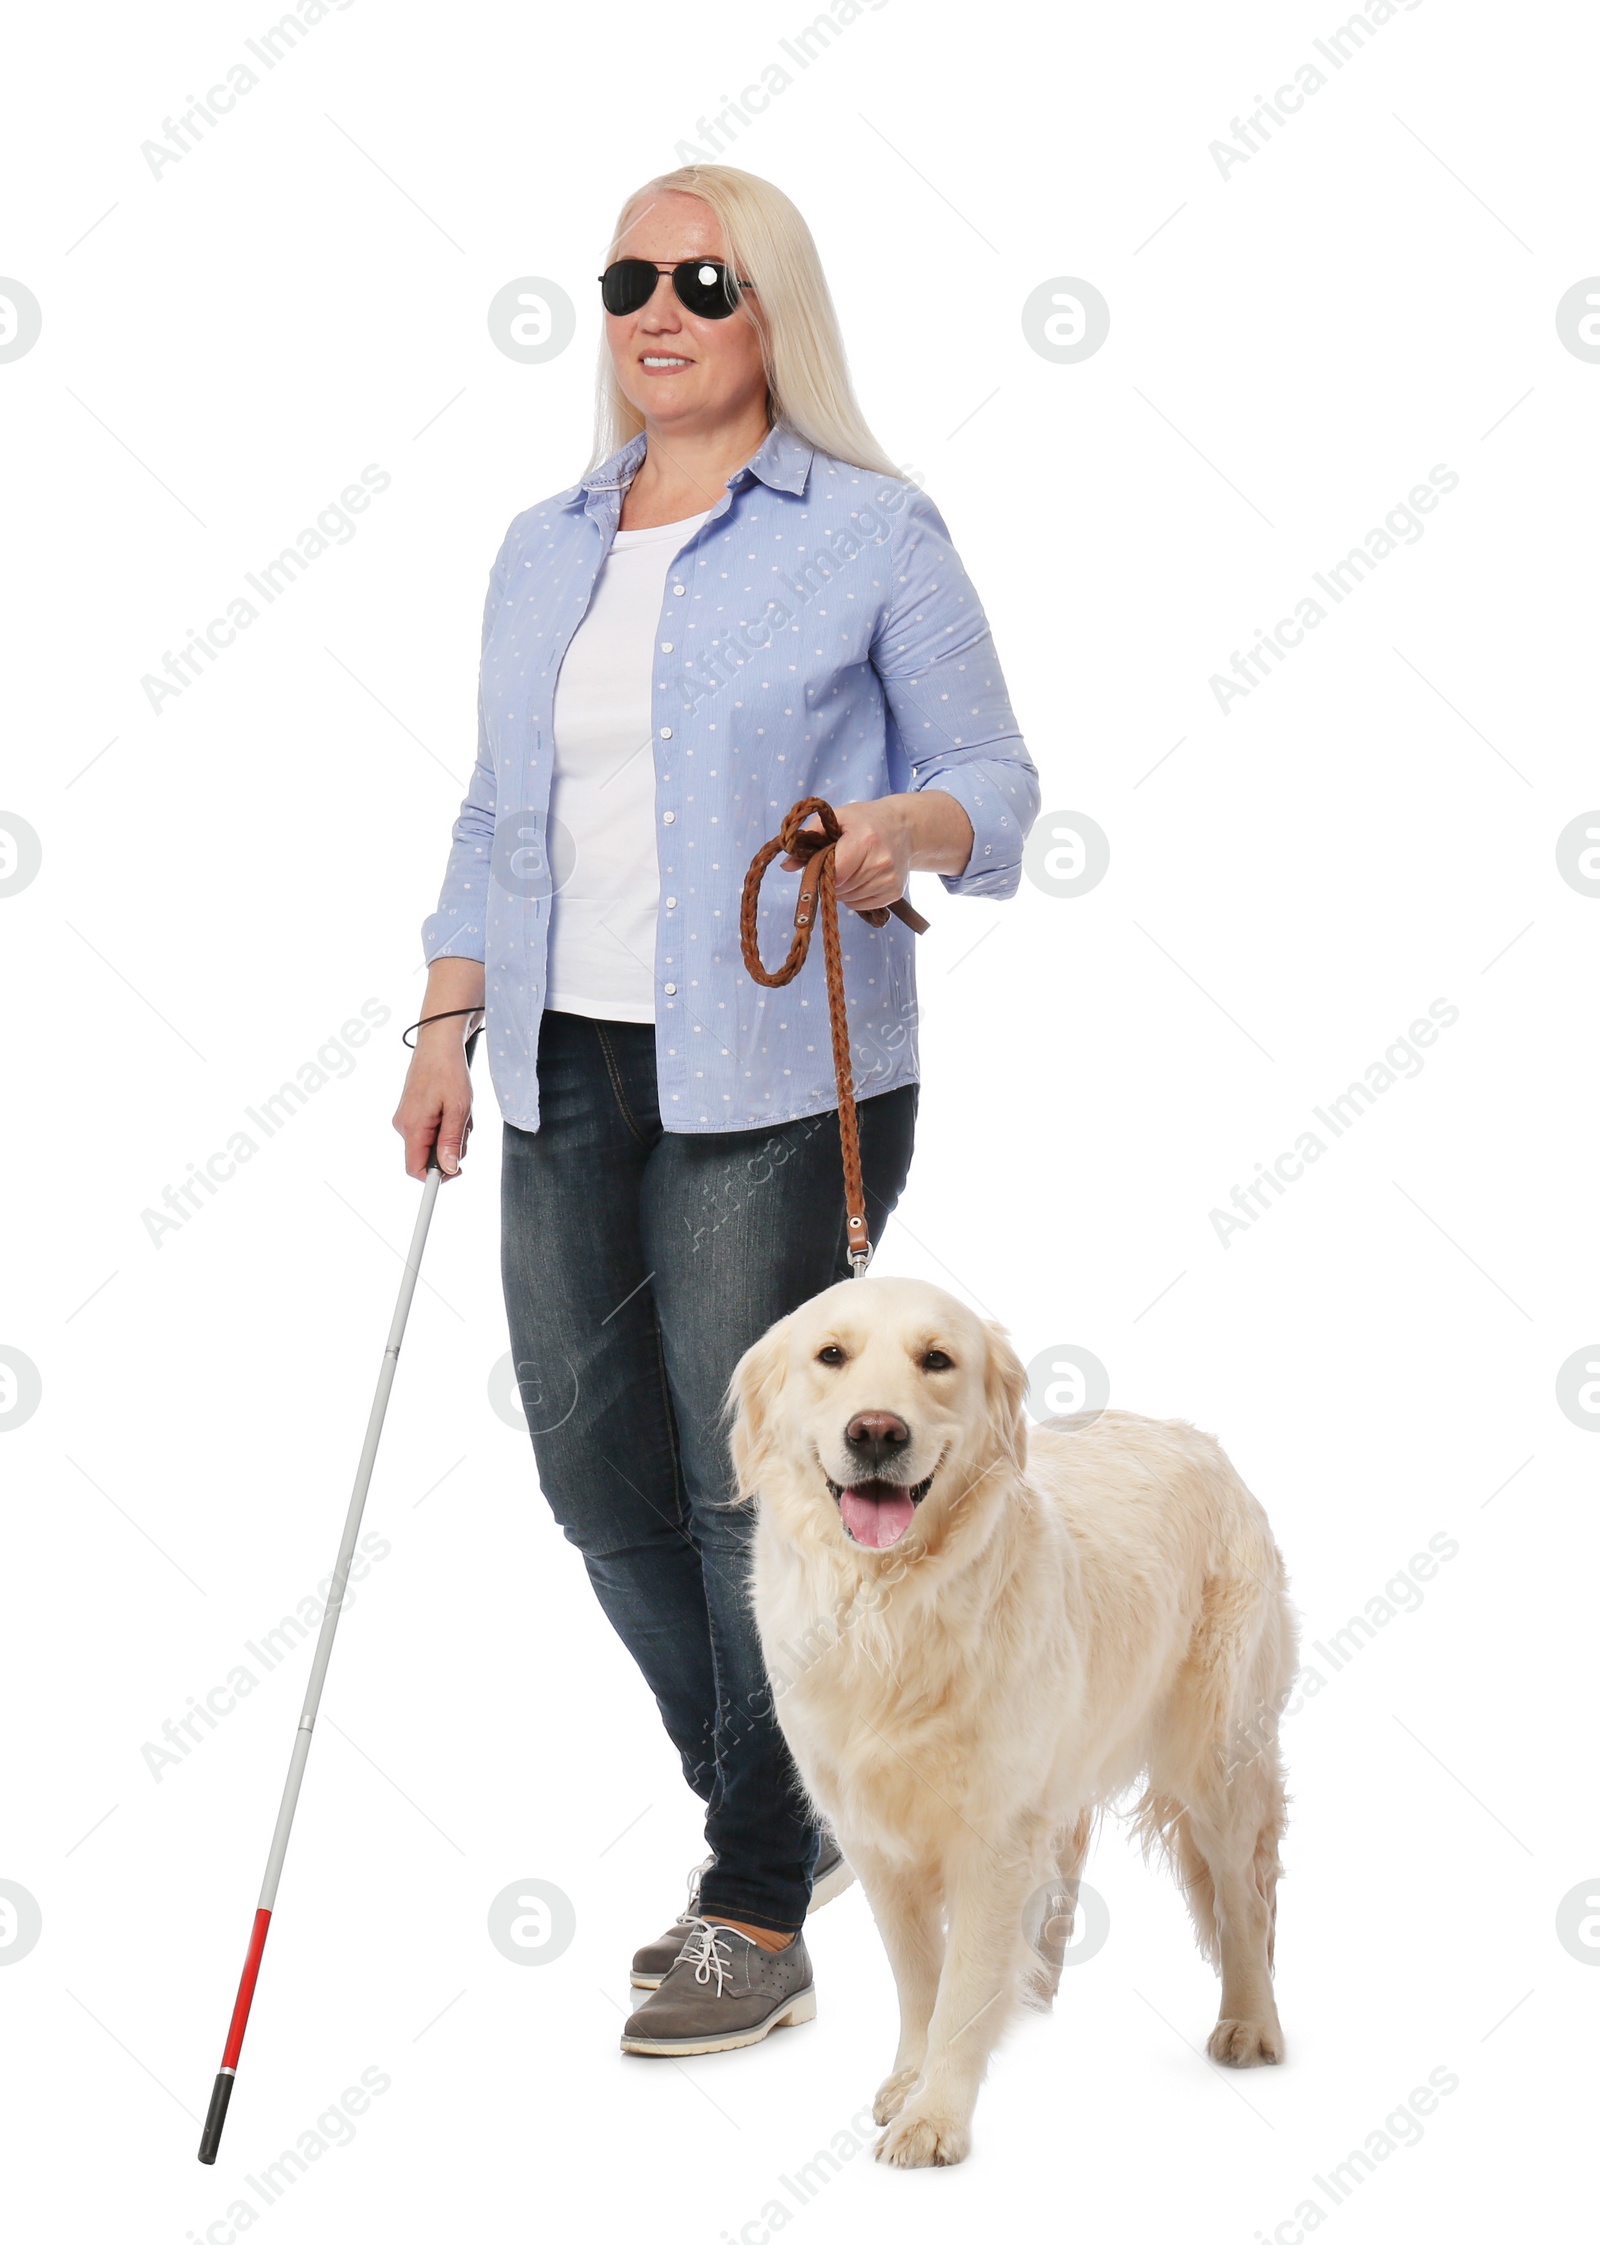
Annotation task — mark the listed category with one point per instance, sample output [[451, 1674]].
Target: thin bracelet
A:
[[455, 1014]]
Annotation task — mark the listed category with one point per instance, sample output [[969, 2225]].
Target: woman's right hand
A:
[[435, 1107], [435, 1110]]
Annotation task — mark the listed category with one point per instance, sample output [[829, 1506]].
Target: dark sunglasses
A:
[[703, 285]]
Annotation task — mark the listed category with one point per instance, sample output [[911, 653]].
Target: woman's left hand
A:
[[872, 860]]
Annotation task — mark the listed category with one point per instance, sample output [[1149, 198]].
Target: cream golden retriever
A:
[[978, 1635]]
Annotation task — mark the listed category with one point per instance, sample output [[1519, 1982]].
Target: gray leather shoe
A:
[[722, 1993], [655, 1960], [832, 1874]]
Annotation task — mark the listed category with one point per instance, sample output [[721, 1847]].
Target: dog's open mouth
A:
[[877, 1514]]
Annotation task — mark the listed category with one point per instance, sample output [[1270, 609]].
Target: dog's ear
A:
[[752, 1394], [1005, 1384]]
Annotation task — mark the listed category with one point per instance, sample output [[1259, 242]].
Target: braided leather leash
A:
[[817, 900]]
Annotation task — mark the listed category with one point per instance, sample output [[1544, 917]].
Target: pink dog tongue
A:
[[876, 1519]]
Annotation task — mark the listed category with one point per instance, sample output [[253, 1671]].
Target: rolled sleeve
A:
[[458, 929], [947, 697]]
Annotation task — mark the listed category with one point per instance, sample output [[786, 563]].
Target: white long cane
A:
[[217, 2112]]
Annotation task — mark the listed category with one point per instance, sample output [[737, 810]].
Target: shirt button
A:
[[671, 988], [672, 903], [667, 817], [666, 646], [679, 589], [666, 732]]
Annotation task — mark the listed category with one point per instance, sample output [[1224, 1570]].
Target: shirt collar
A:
[[782, 463]]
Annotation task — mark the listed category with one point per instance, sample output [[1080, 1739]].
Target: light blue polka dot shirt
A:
[[818, 636]]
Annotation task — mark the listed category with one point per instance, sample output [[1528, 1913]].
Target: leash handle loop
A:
[[817, 901]]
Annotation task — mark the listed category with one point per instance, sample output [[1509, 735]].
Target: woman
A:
[[742, 603]]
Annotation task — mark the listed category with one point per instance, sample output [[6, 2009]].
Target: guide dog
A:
[[979, 1634]]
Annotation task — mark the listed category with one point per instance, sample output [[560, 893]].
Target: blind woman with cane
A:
[[742, 603]]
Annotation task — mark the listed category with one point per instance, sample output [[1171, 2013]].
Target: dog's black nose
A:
[[877, 1436]]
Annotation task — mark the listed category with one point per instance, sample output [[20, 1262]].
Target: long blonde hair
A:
[[808, 376]]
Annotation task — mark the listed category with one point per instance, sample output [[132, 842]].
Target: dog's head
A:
[[881, 1403]]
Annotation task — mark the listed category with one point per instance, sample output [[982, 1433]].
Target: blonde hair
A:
[[768, 243]]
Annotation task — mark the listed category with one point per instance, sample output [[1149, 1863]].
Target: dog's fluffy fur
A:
[[1074, 1606]]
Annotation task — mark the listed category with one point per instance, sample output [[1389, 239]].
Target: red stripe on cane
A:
[[247, 1988]]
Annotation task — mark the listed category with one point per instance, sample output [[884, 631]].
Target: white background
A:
[[1291, 349]]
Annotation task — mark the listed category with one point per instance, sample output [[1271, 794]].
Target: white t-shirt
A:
[[603, 789]]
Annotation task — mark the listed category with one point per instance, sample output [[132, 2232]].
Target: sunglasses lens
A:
[[628, 284], [703, 288]]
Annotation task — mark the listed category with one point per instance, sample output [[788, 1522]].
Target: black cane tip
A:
[[217, 2113]]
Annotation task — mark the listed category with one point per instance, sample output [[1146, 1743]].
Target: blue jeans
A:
[[639, 1264]]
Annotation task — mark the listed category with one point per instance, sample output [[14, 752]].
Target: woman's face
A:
[[682, 372]]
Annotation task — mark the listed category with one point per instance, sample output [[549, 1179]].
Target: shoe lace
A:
[[691, 1908], [706, 1950]]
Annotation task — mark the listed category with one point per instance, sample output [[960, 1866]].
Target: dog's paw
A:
[[926, 2139], [1246, 2042], [892, 2094]]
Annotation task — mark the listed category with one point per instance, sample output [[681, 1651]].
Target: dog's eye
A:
[[935, 1360], [832, 1354]]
